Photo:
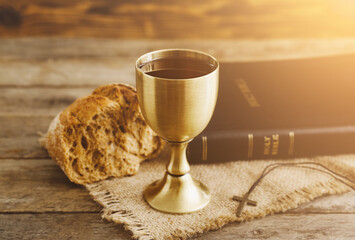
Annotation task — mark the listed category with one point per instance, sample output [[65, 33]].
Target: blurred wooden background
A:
[[159, 19]]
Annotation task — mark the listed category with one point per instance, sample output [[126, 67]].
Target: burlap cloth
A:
[[283, 189]]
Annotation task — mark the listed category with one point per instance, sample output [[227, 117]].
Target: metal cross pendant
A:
[[243, 201]]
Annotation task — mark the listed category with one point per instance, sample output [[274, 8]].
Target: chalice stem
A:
[[178, 164], [177, 192]]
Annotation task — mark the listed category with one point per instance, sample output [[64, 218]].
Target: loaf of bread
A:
[[102, 135]]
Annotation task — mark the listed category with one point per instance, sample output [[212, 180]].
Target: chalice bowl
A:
[[177, 92]]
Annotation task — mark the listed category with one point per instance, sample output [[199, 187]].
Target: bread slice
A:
[[102, 135]]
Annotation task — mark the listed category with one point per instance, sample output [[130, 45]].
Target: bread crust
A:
[[102, 135], [126, 97]]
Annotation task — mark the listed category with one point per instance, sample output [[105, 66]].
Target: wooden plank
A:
[[27, 147], [66, 72], [286, 226], [50, 62], [23, 126], [51, 49], [177, 19], [83, 226], [90, 226], [40, 186], [344, 203], [19, 136], [38, 101], [26, 113]]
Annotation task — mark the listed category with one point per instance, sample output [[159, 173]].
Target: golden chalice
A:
[[177, 92]]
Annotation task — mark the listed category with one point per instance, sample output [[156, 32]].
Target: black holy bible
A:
[[281, 109]]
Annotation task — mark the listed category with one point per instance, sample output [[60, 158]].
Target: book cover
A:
[[281, 109]]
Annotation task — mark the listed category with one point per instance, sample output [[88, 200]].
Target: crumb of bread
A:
[[102, 135]]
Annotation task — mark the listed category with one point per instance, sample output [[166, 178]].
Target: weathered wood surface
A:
[[287, 226], [27, 113], [19, 136], [89, 226], [38, 185], [84, 226], [37, 201], [177, 19], [225, 50], [38, 101], [344, 203], [85, 62]]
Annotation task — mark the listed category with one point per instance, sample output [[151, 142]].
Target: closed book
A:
[[281, 109]]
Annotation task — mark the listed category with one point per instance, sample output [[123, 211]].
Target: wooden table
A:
[[39, 77]]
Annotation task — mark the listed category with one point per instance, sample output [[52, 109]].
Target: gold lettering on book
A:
[[204, 148], [248, 95], [271, 144], [292, 142], [250, 145], [275, 144], [267, 144]]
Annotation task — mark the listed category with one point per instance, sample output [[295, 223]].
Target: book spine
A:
[[219, 147]]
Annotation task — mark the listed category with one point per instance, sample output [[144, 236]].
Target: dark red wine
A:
[[177, 68], [176, 73]]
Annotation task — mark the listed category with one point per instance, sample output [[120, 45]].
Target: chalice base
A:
[[177, 194]]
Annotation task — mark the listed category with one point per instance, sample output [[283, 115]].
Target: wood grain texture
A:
[[177, 19], [83, 226], [22, 148], [39, 202], [287, 226], [88, 62], [344, 203], [19, 136], [89, 226], [40, 186], [38, 101], [29, 49], [25, 114]]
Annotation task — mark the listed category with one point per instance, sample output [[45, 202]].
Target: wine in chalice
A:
[[177, 93]]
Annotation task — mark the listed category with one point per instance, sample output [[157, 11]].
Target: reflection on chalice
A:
[[177, 92]]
